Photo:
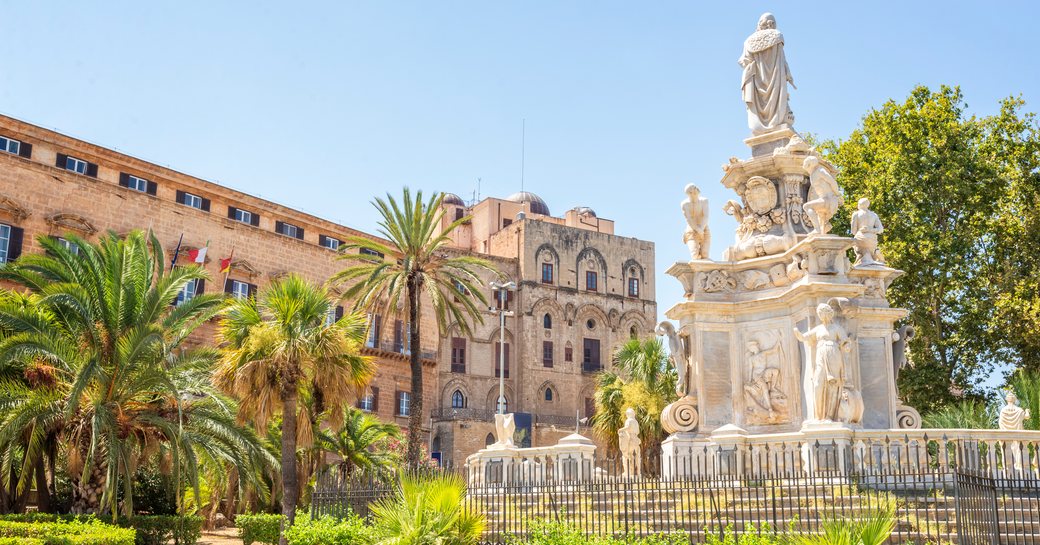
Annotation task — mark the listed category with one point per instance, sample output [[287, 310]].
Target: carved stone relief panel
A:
[[768, 378]]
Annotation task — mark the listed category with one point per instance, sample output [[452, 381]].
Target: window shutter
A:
[[252, 291], [152, 187], [397, 402], [254, 220], [322, 239], [227, 285], [205, 205], [200, 286], [92, 170], [375, 399], [14, 244], [231, 212], [124, 179], [339, 313], [25, 150], [279, 227], [60, 162], [180, 197], [299, 233]]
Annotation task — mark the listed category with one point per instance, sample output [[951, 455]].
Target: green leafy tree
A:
[[952, 191], [967, 414], [96, 368], [418, 269], [425, 510], [643, 380], [1026, 385], [360, 443], [284, 346]]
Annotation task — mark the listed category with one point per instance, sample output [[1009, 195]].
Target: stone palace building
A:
[[582, 290]]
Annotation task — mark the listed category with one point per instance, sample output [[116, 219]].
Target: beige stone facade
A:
[[581, 292]]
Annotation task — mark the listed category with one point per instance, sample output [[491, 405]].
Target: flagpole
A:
[[196, 290], [231, 260], [177, 252]]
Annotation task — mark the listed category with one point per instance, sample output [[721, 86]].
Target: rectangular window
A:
[[398, 336], [633, 287], [243, 216], [370, 401], [547, 273], [497, 294], [568, 354], [368, 251], [68, 245], [329, 242], [591, 280], [239, 289], [375, 321], [499, 368], [5, 242], [76, 165], [590, 359], [138, 183], [190, 290], [10, 242], [404, 404], [10, 145], [506, 223], [193, 200], [458, 355], [288, 230], [547, 353], [459, 213]]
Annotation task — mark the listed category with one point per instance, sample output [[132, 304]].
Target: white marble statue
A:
[[505, 427], [850, 408], [865, 227], [1013, 417], [766, 75], [629, 445], [827, 343], [763, 378], [679, 354], [697, 237], [824, 196]]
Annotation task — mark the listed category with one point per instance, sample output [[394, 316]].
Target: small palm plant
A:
[[358, 443], [873, 528], [963, 415], [428, 509]]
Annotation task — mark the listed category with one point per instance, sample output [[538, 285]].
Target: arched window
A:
[[436, 444], [458, 401], [489, 440], [633, 333], [547, 321], [548, 394]]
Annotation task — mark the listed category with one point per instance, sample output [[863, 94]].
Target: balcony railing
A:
[[399, 348], [481, 415], [587, 367]]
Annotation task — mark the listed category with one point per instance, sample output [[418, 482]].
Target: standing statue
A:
[[629, 445], [696, 236], [1013, 417], [824, 194], [679, 353], [505, 427], [763, 378], [765, 78], [826, 344], [866, 226]]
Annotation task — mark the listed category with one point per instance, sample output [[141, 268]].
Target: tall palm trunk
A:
[[290, 481], [43, 495], [415, 408]]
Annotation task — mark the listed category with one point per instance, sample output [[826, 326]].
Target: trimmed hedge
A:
[[259, 528], [330, 531], [158, 529], [72, 532]]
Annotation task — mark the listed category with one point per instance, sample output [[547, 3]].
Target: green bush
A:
[[351, 530], [71, 532], [561, 533], [762, 535], [158, 529], [259, 528]]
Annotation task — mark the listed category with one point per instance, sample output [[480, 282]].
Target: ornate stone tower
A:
[[785, 334]]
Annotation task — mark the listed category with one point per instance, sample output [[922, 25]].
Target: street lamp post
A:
[[502, 290]]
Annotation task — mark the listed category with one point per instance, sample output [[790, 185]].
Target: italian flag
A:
[[198, 255]]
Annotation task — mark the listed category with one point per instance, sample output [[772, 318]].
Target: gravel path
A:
[[227, 536]]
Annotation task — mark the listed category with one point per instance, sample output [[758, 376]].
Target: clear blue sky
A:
[[322, 106]]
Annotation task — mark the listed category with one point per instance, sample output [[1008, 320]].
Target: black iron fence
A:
[[784, 490]]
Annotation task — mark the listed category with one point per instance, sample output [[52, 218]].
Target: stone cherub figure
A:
[[765, 78], [827, 342], [865, 227], [630, 446], [505, 427], [697, 237], [678, 352], [824, 193]]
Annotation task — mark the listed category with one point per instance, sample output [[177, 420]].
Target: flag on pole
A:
[[177, 252], [198, 255], [225, 264]]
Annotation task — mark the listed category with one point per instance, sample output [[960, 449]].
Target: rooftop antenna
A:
[[523, 157], [478, 192]]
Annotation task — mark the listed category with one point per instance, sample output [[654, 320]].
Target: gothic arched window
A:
[[458, 401]]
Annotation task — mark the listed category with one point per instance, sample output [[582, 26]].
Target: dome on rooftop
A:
[[451, 198], [584, 211], [538, 206]]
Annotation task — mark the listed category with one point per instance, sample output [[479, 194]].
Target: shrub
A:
[[561, 533], [351, 530], [158, 529], [428, 509], [71, 532], [259, 528]]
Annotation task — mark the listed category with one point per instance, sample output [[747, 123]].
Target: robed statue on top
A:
[[765, 79]]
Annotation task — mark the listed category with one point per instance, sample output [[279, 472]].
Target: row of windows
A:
[[402, 402], [402, 339], [590, 356], [136, 183], [591, 280]]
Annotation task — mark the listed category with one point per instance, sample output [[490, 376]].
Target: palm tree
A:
[[282, 348], [966, 414], [99, 345], [418, 268], [643, 380], [357, 443], [428, 509], [1026, 385]]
